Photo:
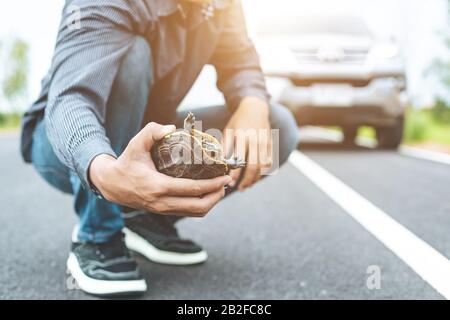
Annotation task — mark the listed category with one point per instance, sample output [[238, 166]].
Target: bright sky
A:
[[414, 22]]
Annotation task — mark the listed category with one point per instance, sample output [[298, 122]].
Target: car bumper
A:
[[333, 104]]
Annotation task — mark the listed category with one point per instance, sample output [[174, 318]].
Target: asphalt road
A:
[[283, 239]]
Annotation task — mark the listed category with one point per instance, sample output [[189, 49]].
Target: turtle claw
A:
[[236, 163]]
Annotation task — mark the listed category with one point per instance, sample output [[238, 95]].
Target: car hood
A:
[[328, 56]]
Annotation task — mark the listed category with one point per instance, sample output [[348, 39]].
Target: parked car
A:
[[340, 73]]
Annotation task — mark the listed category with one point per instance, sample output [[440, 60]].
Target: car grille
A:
[[351, 56]]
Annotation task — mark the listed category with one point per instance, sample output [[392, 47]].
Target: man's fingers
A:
[[265, 150], [270, 147], [192, 206], [252, 171], [235, 174], [188, 187], [228, 142], [251, 175], [151, 133]]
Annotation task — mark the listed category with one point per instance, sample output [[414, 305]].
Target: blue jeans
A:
[[99, 218]]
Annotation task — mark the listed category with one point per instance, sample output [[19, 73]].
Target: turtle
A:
[[192, 154]]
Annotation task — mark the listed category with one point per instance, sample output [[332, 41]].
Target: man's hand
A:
[[133, 181], [248, 132]]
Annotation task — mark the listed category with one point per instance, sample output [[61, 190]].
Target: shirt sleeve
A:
[[239, 73], [85, 63]]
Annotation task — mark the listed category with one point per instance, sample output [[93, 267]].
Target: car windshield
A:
[[310, 25]]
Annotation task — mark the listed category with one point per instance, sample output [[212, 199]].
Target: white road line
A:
[[428, 263]]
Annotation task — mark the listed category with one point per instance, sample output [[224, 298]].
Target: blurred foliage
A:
[[441, 67], [422, 125], [15, 80], [416, 126], [9, 120], [367, 132], [441, 111]]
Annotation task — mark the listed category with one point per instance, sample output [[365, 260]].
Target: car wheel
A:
[[391, 137], [350, 133]]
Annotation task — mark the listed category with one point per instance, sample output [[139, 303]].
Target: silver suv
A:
[[340, 73]]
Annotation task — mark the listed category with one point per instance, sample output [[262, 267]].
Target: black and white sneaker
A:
[[106, 269], [157, 240]]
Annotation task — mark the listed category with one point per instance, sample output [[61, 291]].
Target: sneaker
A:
[[105, 269], [157, 239]]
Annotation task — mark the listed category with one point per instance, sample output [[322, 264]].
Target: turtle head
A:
[[235, 163], [189, 122]]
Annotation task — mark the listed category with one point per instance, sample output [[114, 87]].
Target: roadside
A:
[[423, 130], [432, 146]]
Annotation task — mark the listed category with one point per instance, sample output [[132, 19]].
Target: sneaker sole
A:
[[138, 244], [103, 287]]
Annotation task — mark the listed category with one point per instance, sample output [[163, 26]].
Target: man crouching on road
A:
[[117, 74]]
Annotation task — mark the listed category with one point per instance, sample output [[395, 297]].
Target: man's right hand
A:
[[133, 181]]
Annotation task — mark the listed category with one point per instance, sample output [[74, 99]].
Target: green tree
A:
[[441, 67], [15, 81], [14, 68]]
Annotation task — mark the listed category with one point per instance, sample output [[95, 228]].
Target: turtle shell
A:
[[190, 155]]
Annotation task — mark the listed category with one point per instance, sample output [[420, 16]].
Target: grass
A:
[[9, 121], [421, 126]]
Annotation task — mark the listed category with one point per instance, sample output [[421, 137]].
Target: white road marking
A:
[[336, 136], [427, 262]]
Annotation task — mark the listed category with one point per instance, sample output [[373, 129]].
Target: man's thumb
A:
[[151, 133]]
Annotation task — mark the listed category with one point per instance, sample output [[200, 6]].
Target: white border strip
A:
[[428, 263], [425, 154]]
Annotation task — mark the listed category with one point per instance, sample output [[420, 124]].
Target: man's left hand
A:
[[248, 134]]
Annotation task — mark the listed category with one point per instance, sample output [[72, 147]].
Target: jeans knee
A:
[[136, 67], [283, 120], [128, 100], [47, 163]]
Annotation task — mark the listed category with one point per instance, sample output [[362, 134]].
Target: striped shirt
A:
[[86, 59]]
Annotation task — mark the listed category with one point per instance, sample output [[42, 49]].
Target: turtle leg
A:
[[235, 163]]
